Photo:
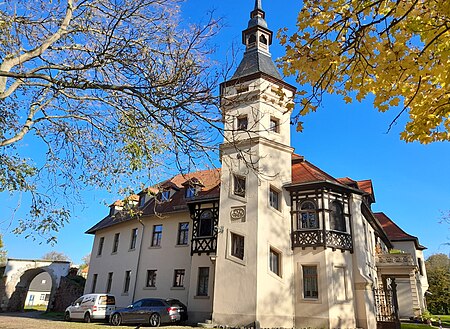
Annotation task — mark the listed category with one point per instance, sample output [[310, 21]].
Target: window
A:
[[165, 195], [109, 282], [237, 246], [239, 185], [205, 225], [274, 198], [307, 218], [94, 282], [134, 235], [116, 242], [203, 280], [142, 200], [100, 246], [365, 236], [252, 39], [337, 217], [42, 297], [190, 192], [242, 89], [419, 265], [183, 234], [178, 278], [310, 287], [242, 123], [157, 235], [275, 262], [263, 39], [151, 279], [126, 283], [274, 125]]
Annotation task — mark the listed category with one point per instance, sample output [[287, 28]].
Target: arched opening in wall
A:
[[39, 291], [33, 291]]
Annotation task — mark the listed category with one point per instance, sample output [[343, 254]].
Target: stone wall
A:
[[70, 288]]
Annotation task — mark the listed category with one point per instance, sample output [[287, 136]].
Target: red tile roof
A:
[[211, 190], [366, 186], [393, 231], [304, 172]]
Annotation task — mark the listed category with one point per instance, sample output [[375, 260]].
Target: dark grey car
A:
[[152, 311]]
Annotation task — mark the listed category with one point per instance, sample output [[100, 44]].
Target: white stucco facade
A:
[[272, 238]]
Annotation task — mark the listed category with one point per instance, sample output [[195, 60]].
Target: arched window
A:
[[307, 216], [337, 219], [263, 39], [252, 39], [205, 225]]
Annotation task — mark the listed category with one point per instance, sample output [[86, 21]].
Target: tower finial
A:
[[258, 5]]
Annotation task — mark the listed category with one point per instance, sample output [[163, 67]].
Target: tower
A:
[[254, 268]]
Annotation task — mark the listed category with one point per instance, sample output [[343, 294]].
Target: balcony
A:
[[322, 238], [395, 265], [402, 259]]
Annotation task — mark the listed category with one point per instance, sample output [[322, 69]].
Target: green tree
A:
[[396, 51], [109, 88], [438, 273]]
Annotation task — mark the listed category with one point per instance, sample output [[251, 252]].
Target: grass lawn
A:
[[35, 308], [414, 326]]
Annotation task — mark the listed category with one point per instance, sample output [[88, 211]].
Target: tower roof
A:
[[257, 38], [256, 62]]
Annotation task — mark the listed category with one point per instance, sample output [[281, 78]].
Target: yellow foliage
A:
[[398, 51]]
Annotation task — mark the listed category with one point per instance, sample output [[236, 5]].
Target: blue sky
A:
[[411, 181]]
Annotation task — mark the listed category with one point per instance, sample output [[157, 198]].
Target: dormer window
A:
[[141, 200], [190, 192], [165, 195], [192, 186]]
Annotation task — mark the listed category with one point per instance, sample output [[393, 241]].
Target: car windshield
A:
[[107, 300]]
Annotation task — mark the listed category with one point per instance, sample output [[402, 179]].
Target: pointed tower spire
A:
[[257, 39]]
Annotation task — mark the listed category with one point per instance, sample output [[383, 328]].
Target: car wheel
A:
[[116, 319], [87, 317], [154, 320], [67, 316]]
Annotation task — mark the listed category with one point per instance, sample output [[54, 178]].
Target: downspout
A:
[[138, 260]]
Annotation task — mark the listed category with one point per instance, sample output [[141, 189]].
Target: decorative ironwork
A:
[[338, 240], [385, 305], [204, 231]]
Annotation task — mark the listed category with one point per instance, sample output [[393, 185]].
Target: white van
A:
[[91, 307]]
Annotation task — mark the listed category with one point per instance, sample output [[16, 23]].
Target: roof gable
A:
[[394, 232]]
